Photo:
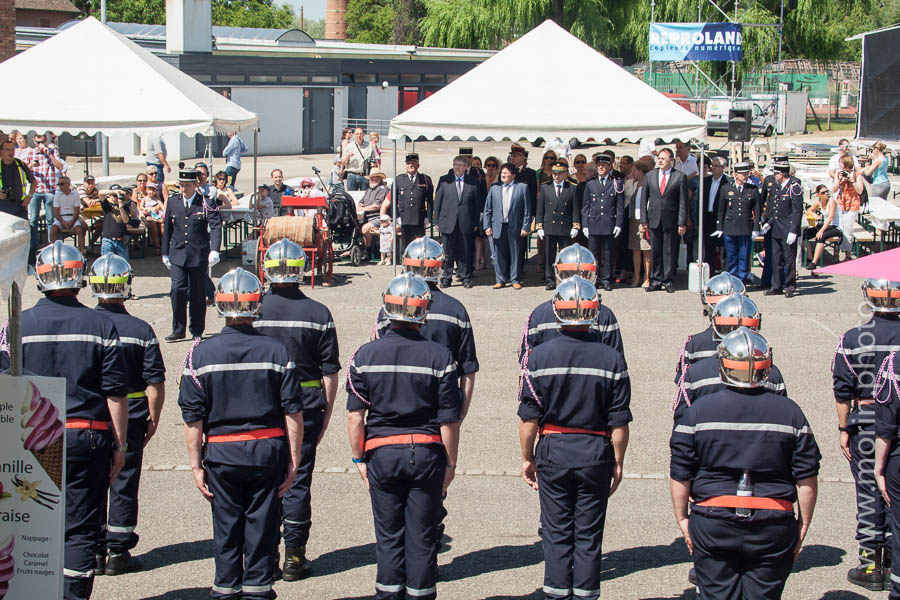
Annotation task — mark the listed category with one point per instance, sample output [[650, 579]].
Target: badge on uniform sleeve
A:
[[796, 189], [618, 186]]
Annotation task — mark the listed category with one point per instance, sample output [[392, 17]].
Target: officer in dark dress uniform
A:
[[110, 281], [403, 403], [887, 449], [738, 220], [782, 217], [63, 338], [768, 190], [704, 344], [741, 458], [415, 199], [541, 326], [241, 400], [858, 357], [192, 233], [602, 217], [558, 217], [576, 395], [307, 330]]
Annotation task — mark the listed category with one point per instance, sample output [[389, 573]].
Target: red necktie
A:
[[662, 184]]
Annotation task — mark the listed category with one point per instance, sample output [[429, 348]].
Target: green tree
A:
[[235, 13], [314, 28], [406, 22], [148, 12], [370, 21]]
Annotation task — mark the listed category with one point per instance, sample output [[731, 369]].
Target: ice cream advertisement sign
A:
[[32, 487]]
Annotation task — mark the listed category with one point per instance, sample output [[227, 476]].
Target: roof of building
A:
[[860, 36], [51, 5]]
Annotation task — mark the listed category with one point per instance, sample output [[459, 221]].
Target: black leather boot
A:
[[886, 565], [869, 573], [296, 566]]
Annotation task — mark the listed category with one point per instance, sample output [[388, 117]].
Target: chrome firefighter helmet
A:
[[59, 267], [745, 359], [882, 295], [284, 262], [238, 294], [406, 298], [719, 287], [733, 312], [576, 302], [110, 277], [424, 257], [575, 260]]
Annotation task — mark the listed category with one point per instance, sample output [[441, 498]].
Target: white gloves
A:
[[399, 223], [213, 258], [540, 233], [573, 233], [616, 231], [754, 235], [791, 238], [166, 262], [585, 231], [765, 229], [213, 192], [717, 233]]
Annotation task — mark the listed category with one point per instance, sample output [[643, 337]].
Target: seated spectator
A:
[[307, 190], [152, 210], [117, 212], [370, 206], [224, 193], [90, 196], [162, 188], [67, 213], [829, 226], [278, 189], [140, 190], [264, 204], [386, 239]]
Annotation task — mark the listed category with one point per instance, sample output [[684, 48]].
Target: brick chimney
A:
[[8, 29], [188, 26], [335, 19]]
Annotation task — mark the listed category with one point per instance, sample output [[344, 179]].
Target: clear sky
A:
[[312, 9]]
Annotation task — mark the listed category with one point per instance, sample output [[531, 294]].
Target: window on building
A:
[[324, 78], [295, 79], [410, 78], [230, 78], [202, 77], [391, 78], [434, 78], [264, 79]]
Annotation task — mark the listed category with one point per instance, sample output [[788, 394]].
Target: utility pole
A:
[[104, 141]]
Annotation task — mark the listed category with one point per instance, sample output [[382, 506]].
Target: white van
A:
[[763, 115]]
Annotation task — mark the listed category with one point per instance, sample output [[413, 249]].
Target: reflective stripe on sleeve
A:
[[138, 341], [295, 324], [722, 426], [447, 318], [867, 349], [692, 356], [69, 337], [696, 385], [579, 371], [405, 369], [258, 366], [545, 326]]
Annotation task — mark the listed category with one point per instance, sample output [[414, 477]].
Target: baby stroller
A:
[[344, 228]]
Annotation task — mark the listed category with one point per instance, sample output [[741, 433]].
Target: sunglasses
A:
[[549, 158], [153, 174], [824, 193], [307, 187], [490, 166], [141, 180], [580, 162], [221, 179]]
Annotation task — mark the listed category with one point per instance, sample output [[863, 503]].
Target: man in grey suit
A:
[[458, 200], [507, 219], [664, 213]]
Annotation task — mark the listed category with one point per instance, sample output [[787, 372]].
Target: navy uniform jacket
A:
[[784, 209], [247, 381], [887, 405], [448, 324], [415, 199], [602, 207], [307, 330], [189, 234], [768, 190], [63, 338], [702, 378], [729, 432], [452, 210], [143, 359], [697, 346], [541, 327], [408, 385], [739, 211], [864, 348], [557, 215], [578, 382], [528, 176]]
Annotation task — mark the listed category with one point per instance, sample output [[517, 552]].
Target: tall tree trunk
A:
[[558, 14], [406, 22]]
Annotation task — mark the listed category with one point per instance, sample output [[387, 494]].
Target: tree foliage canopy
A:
[[234, 13], [371, 21]]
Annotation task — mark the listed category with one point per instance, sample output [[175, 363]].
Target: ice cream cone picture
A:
[[7, 565], [42, 433]]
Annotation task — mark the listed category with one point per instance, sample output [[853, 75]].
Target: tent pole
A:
[[14, 335], [394, 209], [255, 159]]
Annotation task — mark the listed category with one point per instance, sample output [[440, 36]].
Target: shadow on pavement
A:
[[184, 594], [175, 554], [490, 560], [344, 559], [818, 555], [621, 563], [687, 594], [842, 595], [537, 594]]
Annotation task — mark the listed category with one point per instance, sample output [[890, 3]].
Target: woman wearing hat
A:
[[371, 205]]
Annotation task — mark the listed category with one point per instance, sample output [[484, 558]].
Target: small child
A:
[[337, 175], [264, 204], [386, 238]]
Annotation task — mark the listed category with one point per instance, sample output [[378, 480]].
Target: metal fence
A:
[[369, 125]]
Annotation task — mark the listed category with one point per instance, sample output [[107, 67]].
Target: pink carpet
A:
[[882, 265]]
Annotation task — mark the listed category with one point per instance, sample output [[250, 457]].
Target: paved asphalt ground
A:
[[492, 548]]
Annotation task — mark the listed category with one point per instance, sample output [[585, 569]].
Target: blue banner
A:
[[696, 41]]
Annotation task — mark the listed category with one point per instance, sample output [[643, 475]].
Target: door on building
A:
[[318, 120], [357, 99]]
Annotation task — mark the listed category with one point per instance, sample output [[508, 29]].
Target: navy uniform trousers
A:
[[123, 493], [405, 486], [189, 285], [603, 249], [784, 263], [88, 456], [872, 524], [892, 479], [296, 509], [246, 512]]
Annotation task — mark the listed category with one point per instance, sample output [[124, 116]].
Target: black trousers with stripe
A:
[[122, 514]]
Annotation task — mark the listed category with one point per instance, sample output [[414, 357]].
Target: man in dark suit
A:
[[712, 193], [192, 233], [782, 218], [458, 200], [519, 157], [602, 216], [507, 221], [664, 213], [558, 217], [415, 197], [738, 220]]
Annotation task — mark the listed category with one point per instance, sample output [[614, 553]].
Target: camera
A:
[[844, 174], [9, 192]]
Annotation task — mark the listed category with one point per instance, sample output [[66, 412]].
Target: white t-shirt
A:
[[67, 203], [834, 163], [688, 167], [647, 148]]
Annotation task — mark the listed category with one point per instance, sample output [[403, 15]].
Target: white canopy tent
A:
[[15, 239]]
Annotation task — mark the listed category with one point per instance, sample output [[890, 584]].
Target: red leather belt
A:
[[751, 502], [545, 429], [87, 424], [246, 436], [402, 440]]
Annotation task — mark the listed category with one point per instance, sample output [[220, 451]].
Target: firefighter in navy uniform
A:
[[241, 402], [603, 216], [192, 233], [742, 457], [767, 190], [63, 338], [858, 357], [110, 281], [403, 423], [784, 209], [887, 450], [541, 325], [576, 395], [415, 200], [704, 344], [738, 217], [307, 330]]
